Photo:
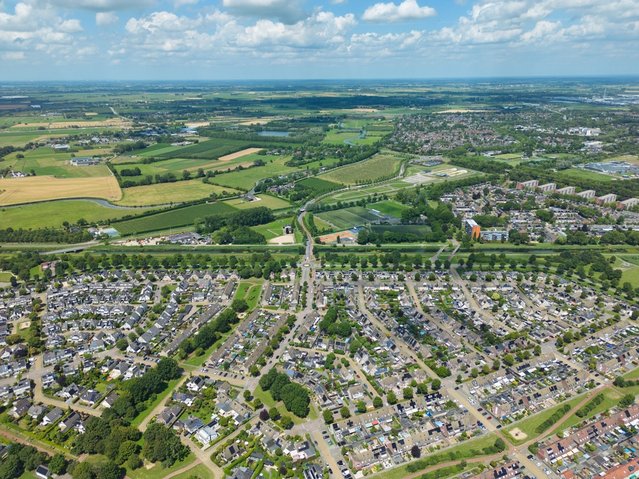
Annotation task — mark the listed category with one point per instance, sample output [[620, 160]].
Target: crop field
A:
[[246, 179], [379, 166], [389, 207], [269, 201], [54, 213], [239, 154], [340, 137], [166, 193], [15, 191], [319, 186], [174, 218], [207, 150], [348, 217], [46, 162]]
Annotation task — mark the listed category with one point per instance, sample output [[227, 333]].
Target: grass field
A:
[[389, 207], [412, 229], [250, 292], [197, 472], [339, 137], [273, 229], [246, 179], [15, 191], [172, 218], [54, 213], [210, 149], [379, 166], [579, 174], [319, 186], [158, 471], [347, 218], [164, 193], [46, 162], [269, 201]]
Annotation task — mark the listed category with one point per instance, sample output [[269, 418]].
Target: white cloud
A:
[[289, 11], [102, 5], [391, 12], [103, 19]]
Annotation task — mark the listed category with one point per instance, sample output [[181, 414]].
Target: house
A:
[[90, 397], [52, 416], [20, 408], [196, 384], [73, 421], [42, 472], [109, 401], [206, 435]]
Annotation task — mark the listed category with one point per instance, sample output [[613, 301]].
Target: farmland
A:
[[42, 188], [246, 179], [54, 213], [207, 150], [319, 186], [165, 193], [382, 165], [175, 218]]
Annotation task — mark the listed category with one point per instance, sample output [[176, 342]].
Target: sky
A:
[[304, 39]]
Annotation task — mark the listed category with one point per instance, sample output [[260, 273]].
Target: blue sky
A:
[[264, 39]]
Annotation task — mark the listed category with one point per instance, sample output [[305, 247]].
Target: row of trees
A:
[[43, 235], [209, 333]]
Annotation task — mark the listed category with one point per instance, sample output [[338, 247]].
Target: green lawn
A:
[[54, 213], [158, 471], [250, 292], [140, 417], [197, 472], [529, 424], [389, 207], [611, 399], [46, 162]]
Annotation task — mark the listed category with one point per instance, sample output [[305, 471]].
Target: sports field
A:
[[166, 193], [15, 191], [348, 217], [274, 229], [379, 166], [389, 207], [54, 213]]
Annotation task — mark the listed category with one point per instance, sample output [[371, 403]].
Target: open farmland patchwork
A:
[[382, 165], [30, 189]]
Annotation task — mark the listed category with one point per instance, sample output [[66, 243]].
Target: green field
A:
[[319, 186], [347, 218], [197, 472], [250, 292], [275, 228], [54, 213], [46, 162], [379, 166], [246, 179], [208, 150], [177, 192], [269, 201], [172, 219], [579, 174], [352, 137], [419, 230], [389, 207]]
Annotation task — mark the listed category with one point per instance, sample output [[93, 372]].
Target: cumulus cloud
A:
[[103, 19], [102, 5], [288, 11], [391, 12]]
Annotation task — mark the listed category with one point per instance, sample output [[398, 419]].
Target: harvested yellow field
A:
[[165, 193], [239, 154], [15, 191], [55, 125]]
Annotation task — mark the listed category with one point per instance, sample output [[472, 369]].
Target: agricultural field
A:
[[269, 201], [379, 166], [54, 213], [31, 189], [207, 150], [166, 193], [347, 218], [175, 218], [319, 186], [580, 174]]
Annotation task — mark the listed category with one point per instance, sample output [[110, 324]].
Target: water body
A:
[[274, 133]]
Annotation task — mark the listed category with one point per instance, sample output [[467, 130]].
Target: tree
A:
[[168, 369], [11, 467], [328, 416], [239, 305], [345, 412], [264, 415], [408, 393], [436, 384], [110, 470], [377, 402], [122, 344], [415, 451], [391, 398], [361, 407], [274, 413], [83, 470], [58, 464], [286, 422], [627, 400], [161, 444]]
